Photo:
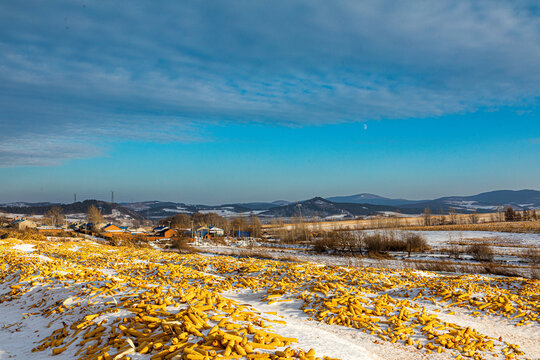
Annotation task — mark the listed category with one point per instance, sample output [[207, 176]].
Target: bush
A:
[[183, 245], [373, 244], [481, 252], [325, 243], [532, 255], [415, 243], [383, 242], [343, 241]]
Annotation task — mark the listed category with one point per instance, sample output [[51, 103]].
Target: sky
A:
[[237, 101]]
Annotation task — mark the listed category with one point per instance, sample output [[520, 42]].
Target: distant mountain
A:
[[518, 198], [162, 209], [484, 202], [255, 205], [74, 208], [316, 207], [325, 209], [366, 198], [330, 208], [23, 204]]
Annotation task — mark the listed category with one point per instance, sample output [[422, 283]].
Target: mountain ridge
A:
[[361, 204]]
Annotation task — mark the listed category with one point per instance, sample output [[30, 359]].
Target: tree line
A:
[[238, 223], [506, 214]]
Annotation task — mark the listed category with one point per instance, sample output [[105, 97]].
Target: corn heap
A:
[[122, 302], [151, 305]]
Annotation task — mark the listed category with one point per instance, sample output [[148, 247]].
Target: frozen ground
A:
[[22, 327], [510, 249], [437, 239]]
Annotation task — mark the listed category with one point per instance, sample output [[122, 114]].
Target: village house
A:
[[111, 228], [23, 224], [209, 231], [163, 232]]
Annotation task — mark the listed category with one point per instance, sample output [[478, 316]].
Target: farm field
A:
[[75, 299], [516, 252]]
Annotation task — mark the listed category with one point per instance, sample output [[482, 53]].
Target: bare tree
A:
[[509, 214], [474, 217], [178, 221], [427, 216], [500, 213], [453, 215], [94, 215], [55, 215], [254, 225], [239, 223]]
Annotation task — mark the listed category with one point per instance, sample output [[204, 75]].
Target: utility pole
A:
[[75, 197], [112, 197]]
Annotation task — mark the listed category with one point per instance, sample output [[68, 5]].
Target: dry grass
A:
[[183, 246], [481, 252], [338, 241], [437, 266], [489, 268], [513, 227], [258, 254], [375, 245], [532, 256], [129, 242], [27, 234]]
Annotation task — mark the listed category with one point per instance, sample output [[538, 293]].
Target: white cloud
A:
[[156, 72]]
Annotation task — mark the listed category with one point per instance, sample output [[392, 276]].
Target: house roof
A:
[[110, 226]]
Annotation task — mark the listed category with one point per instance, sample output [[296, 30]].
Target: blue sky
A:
[[257, 101]]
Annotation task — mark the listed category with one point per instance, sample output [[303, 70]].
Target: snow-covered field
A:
[[83, 300], [438, 239], [509, 249]]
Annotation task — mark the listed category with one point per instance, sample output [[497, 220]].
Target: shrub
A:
[[383, 242], [217, 240], [183, 245], [532, 255], [337, 241], [415, 243], [492, 268], [481, 252], [454, 251], [325, 243], [373, 243]]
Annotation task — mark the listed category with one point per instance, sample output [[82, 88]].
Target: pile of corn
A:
[[151, 305], [137, 301]]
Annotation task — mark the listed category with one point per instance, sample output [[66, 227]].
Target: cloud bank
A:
[[76, 75]]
